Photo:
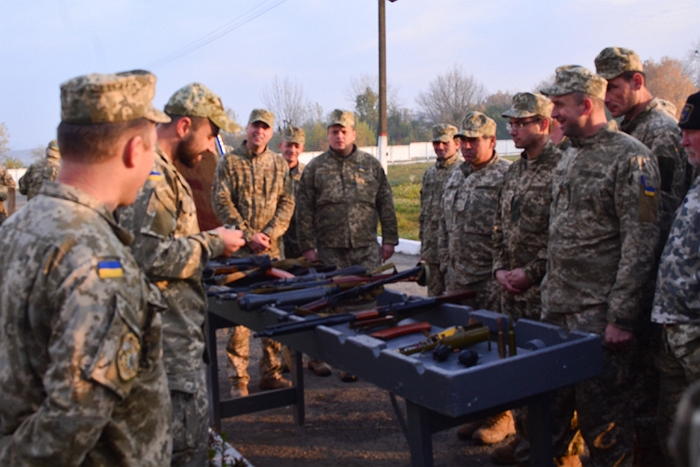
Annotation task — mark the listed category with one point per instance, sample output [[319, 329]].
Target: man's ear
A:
[[133, 149], [637, 81], [545, 124], [587, 106], [183, 126]]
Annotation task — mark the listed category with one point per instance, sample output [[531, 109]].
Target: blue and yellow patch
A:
[[109, 269], [686, 113], [155, 176], [648, 190]]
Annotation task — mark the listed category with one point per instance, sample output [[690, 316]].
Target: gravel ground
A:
[[347, 424]]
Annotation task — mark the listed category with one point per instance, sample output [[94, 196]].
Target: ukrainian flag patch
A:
[[155, 176], [109, 269], [648, 190]]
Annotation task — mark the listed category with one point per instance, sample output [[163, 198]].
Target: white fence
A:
[[417, 152]]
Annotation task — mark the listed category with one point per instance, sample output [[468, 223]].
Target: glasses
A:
[[520, 125]]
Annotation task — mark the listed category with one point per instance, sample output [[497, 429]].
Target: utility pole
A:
[[382, 139]]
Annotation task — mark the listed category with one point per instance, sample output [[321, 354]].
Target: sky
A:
[[508, 45]]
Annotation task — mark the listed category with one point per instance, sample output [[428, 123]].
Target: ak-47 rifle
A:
[[457, 337], [255, 268], [410, 307], [417, 273]]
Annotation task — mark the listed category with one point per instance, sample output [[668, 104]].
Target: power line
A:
[[219, 32]]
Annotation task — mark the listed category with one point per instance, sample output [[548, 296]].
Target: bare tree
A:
[[287, 100], [450, 97], [667, 80], [360, 84], [691, 63]]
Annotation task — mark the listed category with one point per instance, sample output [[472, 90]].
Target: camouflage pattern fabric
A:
[[83, 381], [238, 353], [254, 193], [611, 62], [197, 100], [369, 257], [291, 237], [190, 420], [170, 249], [520, 228], [436, 280], [469, 205], [575, 78], [341, 200], [33, 179], [603, 227]]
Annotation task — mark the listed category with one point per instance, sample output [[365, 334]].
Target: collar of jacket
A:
[[448, 162], [333, 153]]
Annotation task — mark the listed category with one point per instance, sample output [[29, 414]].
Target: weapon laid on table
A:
[[403, 330], [228, 266], [237, 269], [370, 288], [410, 307], [457, 337]]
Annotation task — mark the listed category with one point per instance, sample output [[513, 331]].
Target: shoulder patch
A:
[[109, 269], [685, 114], [128, 357], [155, 176]]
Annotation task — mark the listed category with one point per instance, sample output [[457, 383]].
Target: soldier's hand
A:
[[259, 243], [502, 277], [387, 252], [310, 255], [517, 279], [233, 239], [616, 338]]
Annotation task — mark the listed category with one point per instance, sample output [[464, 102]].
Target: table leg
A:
[[297, 373], [540, 424], [213, 376], [420, 437]]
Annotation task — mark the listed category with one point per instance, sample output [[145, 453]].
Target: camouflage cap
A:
[[444, 132], [476, 124], [293, 134], [690, 116], [121, 97], [197, 100], [575, 78], [262, 115], [529, 104], [611, 62], [342, 118], [52, 151]]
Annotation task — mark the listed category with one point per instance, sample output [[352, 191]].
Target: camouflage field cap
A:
[[476, 124], [262, 115], [197, 100], [444, 132], [342, 118], [113, 98], [293, 134], [690, 116], [575, 78], [52, 151], [529, 104], [611, 62]]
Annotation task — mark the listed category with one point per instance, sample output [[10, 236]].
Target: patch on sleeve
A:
[[648, 203], [128, 357], [109, 269], [155, 176], [685, 114]]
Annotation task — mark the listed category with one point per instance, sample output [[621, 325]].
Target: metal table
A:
[[438, 395]]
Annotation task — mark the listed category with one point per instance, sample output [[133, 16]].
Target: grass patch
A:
[[406, 180]]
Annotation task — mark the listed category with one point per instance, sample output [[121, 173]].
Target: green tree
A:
[[365, 135], [367, 109], [494, 106]]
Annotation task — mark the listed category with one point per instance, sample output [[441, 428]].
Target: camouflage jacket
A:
[[36, 174], [172, 252], [677, 299], [82, 380], [341, 199], [659, 131], [291, 237], [522, 219], [469, 205], [434, 180], [602, 227], [255, 194]]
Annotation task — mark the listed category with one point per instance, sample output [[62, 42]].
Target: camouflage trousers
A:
[[517, 308], [238, 352], [603, 403], [486, 294], [369, 257], [190, 425], [679, 366], [436, 280]]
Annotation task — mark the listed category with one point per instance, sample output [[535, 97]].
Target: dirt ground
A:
[[347, 424]]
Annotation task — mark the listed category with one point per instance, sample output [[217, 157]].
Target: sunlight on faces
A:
[[691, 143], [258, 134], [199, 139], [477, 151], [445, 150], [290, 151], [569, 114], [341, 138], [620, 97], [531, 131]]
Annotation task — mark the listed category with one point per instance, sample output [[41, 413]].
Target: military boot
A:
[[496, 429], [274, 383], [319, 367], [466, 431], [239, 390], [505, 455]]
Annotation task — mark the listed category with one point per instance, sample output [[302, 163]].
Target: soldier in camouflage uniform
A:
[[446, 146], [648, 120], [170, 249], [676, 303], [291, 146], [252, 190], [82, 380], [38, 172], [6, 183], [602, 234], [469, 205], [343, 193]]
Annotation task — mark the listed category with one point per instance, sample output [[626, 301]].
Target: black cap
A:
[[690, 116]]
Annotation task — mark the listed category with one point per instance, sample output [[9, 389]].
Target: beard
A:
[[187, 153]]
